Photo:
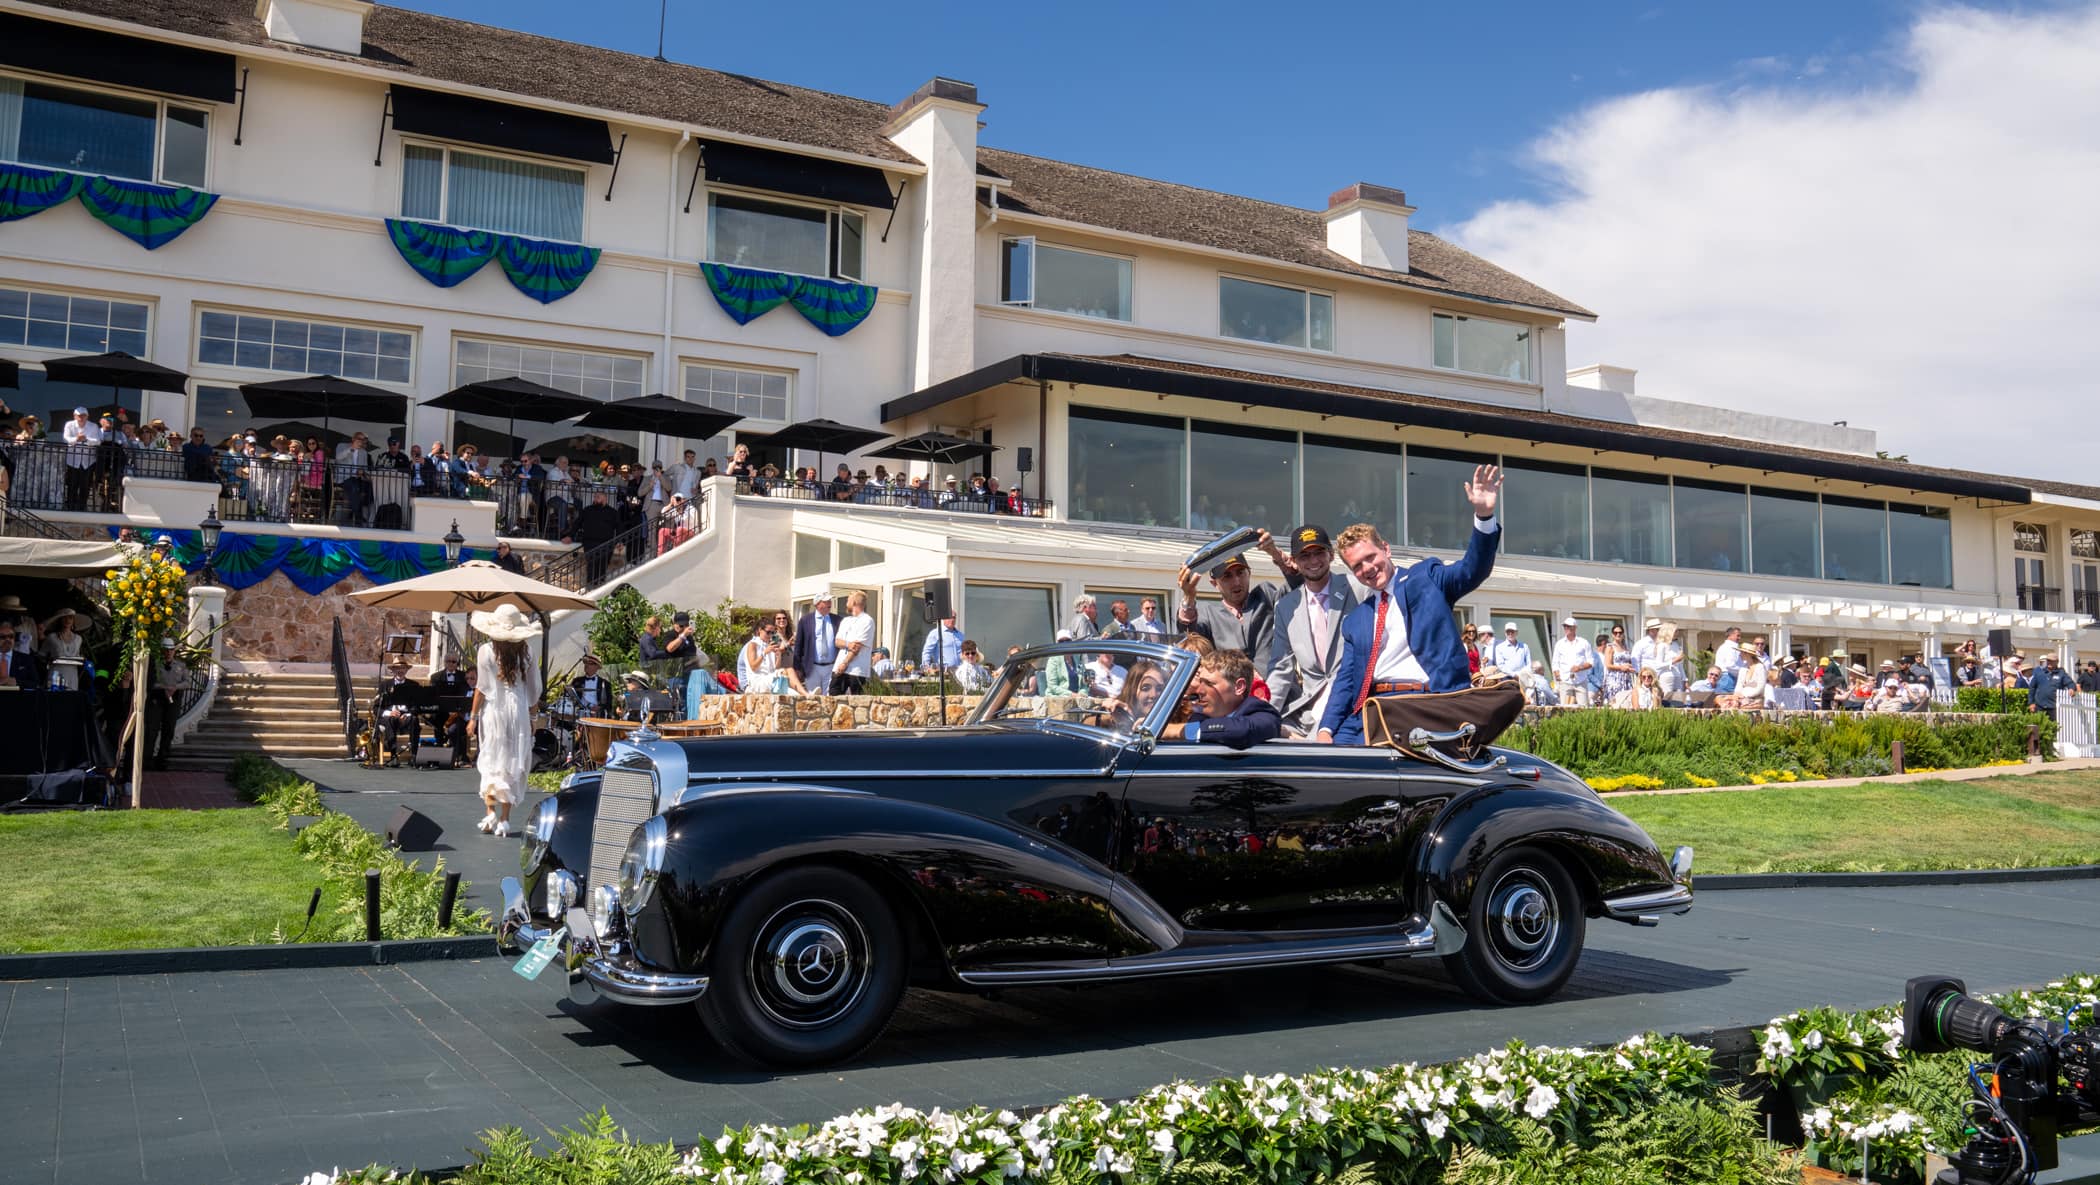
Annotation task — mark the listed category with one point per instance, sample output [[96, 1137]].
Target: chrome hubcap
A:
[[1523, 921], [809, 964]]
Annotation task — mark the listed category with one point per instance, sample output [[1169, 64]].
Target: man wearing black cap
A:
[[395, 711], [1309, 631], [1243, 618]]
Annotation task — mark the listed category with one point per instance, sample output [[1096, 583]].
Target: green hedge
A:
[[1728, 748], [1989, 699], [408, 896]]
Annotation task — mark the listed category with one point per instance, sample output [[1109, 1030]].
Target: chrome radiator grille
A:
[[626, 800]]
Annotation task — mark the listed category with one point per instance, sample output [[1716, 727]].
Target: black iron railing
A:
[[346, 702], [53, 475], [592, 567], [201, 674], [14, 520], [2086, 601], [543, 509], [963, 502], [2041, 598]]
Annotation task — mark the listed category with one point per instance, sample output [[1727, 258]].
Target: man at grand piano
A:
[[395, 711]]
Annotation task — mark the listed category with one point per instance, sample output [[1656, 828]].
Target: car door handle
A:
[[1420, 737]]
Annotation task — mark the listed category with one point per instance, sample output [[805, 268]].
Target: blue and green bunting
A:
[[313, 565], [834, 306], [445, 255], [25, 190], [149, 215]]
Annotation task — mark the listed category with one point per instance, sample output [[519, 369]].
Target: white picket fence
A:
[[2077, 733]]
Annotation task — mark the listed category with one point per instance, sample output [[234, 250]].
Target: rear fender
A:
[[1606, 852], [987, 892]]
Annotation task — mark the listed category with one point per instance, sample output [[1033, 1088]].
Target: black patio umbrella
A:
[[515, 399], [936, 448], [328, 395], [10, 373], [301, 430], [117, 370], [822, 436], [661, 414]]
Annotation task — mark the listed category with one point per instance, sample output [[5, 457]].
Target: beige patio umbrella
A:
[[474, 585]]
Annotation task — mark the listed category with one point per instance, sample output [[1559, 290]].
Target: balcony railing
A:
[[1004, 502], [2041, 598], [53, 475], [2086, 602], [593, 566]]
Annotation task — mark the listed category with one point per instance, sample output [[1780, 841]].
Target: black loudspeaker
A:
[[1024, 459], [939, 601], [2001, 643], [412, 831]]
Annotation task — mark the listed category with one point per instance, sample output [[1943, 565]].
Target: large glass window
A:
[[1712, 525], [1347, 483], [52, 402], [1438, 514], [1126, 468], [1274, 313], [1064, 279], [1546, 509], [812, 555], [752, 394], [1785, 539], [473, 189], [1531, 630], [1921, 545], [594, 376], [1855, 540], [1241, 477], [784, 236], [63, 127], [75, 324], [254, 342], [1630, 515], [1477, 346], [996, 616]]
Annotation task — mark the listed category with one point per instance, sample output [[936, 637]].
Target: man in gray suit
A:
[[1309, 632]]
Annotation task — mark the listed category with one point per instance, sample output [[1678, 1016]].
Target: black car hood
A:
[[1009, 749]]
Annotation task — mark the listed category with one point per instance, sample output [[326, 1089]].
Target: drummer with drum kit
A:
[[591, 691]]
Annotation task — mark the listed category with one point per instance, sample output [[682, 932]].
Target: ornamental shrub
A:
[[1989, 699]]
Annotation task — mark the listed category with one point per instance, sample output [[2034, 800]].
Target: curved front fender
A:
[[1607, 852], [576, 813], [986, 891]]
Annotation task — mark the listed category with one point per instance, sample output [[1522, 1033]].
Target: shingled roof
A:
[[1227, 222]]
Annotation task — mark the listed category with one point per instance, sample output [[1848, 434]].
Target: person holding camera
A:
[[759, 663]]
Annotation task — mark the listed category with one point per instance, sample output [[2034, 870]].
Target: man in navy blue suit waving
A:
[[1400, 639]]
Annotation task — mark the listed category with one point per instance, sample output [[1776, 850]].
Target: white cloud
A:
[[1920, 257]]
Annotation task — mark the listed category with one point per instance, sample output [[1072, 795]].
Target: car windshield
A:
[[1114, 686]]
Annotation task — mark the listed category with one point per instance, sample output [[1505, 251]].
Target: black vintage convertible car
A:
[[792, 885]]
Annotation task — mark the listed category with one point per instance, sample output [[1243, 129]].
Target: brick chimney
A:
[[334, 25], [938, 125], [1367, 224]]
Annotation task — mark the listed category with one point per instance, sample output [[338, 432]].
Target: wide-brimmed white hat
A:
[[505, 623]]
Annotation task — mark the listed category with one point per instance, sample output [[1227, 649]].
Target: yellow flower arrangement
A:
[[1625, 782], [147, 596]]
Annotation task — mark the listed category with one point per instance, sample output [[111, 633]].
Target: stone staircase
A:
[[281, 715]]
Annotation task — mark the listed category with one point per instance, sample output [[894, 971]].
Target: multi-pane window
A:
[[1001, 615], [1127, 467], [1546, 509], [474, 189], [786, 236], [1479, 346], [1064, 279], [75, 324], [593, 375], [1275, 313], [1438, 514], [254, 342], [752, 394], [133, 137]]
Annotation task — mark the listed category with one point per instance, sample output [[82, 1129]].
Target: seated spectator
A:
[[1105, 678], [842, 486], [1225, 713], [679, 521], [971, 673], [1142, 687], [1710, 684], [1645, 693], [1750, 682]]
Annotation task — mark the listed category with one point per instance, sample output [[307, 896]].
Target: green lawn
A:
[[2007, 822], [117, 880]]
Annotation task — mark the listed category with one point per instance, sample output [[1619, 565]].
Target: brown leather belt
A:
[[1399, 687]]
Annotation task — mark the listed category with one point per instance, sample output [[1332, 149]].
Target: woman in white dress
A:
[[60, 642], [506, 689]]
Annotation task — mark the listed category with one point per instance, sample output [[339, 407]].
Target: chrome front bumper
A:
[[598, 969], [1647, 908]]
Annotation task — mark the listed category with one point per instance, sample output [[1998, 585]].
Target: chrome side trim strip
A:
[[1422, 940], [680, 797], [1631, 907], [869, 775], [1307, 775]]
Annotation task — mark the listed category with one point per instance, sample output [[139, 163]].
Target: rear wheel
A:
[[806, 969], [1524, 929]]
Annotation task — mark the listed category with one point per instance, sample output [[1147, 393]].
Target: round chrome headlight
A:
[[643, 862], [605, 910], [539, 834], [562, 892]]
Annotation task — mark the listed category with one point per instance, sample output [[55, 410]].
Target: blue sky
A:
[[1438, 99]]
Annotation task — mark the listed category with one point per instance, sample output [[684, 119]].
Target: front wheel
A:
[[1523, 930], [806, 969]]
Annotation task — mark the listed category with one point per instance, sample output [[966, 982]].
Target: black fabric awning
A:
[[53, 48], [502, 125], [804, 176], [1393, 407]]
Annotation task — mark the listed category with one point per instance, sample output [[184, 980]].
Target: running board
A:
[[1441, 935]]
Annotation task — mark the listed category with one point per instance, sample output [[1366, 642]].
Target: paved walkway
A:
[[188, 790], [2062, 765], [373, 796], [266, 1076]]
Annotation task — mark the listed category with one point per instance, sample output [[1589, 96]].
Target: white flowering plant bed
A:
[[1856, 1085], [1520, 1113]]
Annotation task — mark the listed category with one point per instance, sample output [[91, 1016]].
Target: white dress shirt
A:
[[1569, 653], [1513, 657], [1106, 682], [1729, 656], [1396, 661], [857, 628]]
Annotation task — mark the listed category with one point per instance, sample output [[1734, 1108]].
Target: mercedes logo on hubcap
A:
[[816, 964]]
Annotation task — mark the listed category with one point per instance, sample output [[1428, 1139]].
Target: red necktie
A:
[[1385, 601]]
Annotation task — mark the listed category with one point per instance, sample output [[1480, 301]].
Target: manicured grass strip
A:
[[2032, 821], [136, 880]]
